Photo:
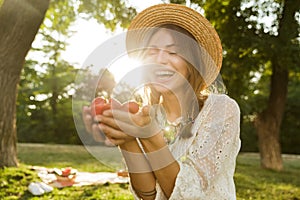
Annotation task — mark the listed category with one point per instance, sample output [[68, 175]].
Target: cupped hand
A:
[[121, 126]]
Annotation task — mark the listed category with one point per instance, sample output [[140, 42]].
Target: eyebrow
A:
[[167, 46]]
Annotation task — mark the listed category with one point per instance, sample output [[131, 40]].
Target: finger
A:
[[113, 133], [108, 142], [138, 131], [86, 110], [137, 119], [114, 142], [88, 121], [108, 113], [87, 118], [108, 121], [98, 135]]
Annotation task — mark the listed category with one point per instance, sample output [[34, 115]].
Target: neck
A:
[[172, 107]]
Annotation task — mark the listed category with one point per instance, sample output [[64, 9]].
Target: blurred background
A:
[[260, 68]]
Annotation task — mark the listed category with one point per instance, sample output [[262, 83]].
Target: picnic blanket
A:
[[80, 179]]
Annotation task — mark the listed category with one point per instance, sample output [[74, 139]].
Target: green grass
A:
[[252, 182], [55, 155]]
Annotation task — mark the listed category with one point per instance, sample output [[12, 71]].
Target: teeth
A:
[[164, 73]]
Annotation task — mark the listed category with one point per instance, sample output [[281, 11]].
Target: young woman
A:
[[184, 143]]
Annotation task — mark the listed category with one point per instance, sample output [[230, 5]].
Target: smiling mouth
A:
[[164, 74]]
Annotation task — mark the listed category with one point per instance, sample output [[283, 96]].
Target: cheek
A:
[[182, 67], [148, 60]]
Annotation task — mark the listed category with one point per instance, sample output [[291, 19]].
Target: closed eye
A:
[[155, 51], [152, 51], [172, 52]]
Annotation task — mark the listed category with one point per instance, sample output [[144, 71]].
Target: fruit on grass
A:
[[122, 173], [66, 171]]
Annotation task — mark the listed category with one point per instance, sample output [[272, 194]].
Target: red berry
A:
[[99, 100], [98, 105], [131, 106], [66, 171]]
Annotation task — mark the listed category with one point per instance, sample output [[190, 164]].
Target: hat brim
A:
[[182, 16]]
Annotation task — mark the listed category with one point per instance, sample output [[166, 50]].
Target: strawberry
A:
[[130, 106], [98, 105], [66, 171]]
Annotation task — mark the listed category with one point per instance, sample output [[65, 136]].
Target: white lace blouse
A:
[[207, 159]]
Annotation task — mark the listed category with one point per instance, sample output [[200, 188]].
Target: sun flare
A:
[[125, 69]]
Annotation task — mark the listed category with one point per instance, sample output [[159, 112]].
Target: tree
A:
[[19, 22], [283, 57], [263, 50]]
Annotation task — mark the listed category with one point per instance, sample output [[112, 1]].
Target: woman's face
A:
[[171, 71]]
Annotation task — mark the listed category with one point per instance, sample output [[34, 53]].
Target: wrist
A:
[[131, 146], [153, 143]]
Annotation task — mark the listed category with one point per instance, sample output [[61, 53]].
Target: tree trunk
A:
[[19, 22], [269, 121]]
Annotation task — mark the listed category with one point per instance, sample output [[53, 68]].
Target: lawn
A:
[[252, 182]]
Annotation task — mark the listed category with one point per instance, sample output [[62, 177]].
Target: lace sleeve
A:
[[212, 153]]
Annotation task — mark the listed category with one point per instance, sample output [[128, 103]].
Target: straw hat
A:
[[184, 17]]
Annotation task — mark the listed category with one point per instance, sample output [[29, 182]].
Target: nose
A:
[[162, 56]]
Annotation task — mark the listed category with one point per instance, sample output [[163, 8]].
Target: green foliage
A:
[[45, 85], [59, 17], [109, 13], [36, 105], [45, 124], [291, 124]]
